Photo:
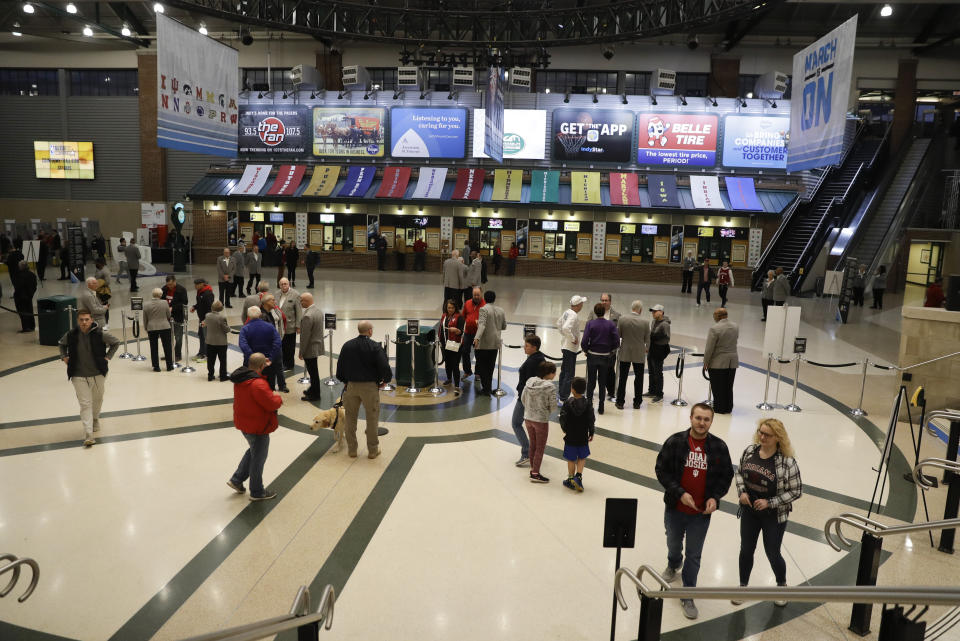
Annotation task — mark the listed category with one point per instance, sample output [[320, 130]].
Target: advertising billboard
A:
[[63, 159], [268, 130], [524, 133], [677, 139], [428, 132], [349, 131], [755, 141], [592, 135]]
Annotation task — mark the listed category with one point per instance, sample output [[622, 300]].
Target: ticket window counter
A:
[[626, 247], [570, 246], [338, 238], [637, 248], [412, 234], [489, 239], [264, 229], [550, 245], [710, 248]]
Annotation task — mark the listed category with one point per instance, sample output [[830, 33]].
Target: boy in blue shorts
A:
[[576, 421]]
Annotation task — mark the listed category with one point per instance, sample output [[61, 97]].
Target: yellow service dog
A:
[[334, 419]]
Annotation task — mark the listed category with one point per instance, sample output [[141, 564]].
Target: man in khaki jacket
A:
[[634, 345], [288, 301], [721, 360], [311, 344]]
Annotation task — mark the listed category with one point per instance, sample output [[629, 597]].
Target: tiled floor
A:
[[138, 538]]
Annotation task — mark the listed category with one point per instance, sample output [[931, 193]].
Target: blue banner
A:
[[742, 194], [755, 141], [663, 191], [493, 112], [358, 182], [417, 132]]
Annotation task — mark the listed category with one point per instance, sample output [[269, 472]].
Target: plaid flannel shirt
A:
[[789, 485]]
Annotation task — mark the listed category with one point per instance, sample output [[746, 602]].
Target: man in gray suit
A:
[[253, 300], [781, 288], [288, 301], [721, 360], [311, 344], [132, 252], [253, 259], [225, 266], [452, 285], [611, 315], [634, 345], [238, 262], [88, 301], [492, 321]]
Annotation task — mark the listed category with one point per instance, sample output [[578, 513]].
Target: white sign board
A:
[[705, 191], [783, 325], [754, 247], [833, 283], [153, 214], [524, 133]]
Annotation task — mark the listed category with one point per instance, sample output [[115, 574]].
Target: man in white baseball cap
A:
[[659, 349], [569, 326]]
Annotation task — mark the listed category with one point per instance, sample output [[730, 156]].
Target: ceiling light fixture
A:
[[87, 31], [547, 90], [125, 31], [683, 101], [886, 11], [713, 101], [743, 103], [16, 30], [28, 8], [157, 7], [595, 101], [71, 8], [397, 94], [623, 98], [203, 29], [653, 100], [772, 103], [313, 95], [566, 97]]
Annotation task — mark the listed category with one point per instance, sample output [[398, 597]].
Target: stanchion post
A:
[[436, 390], [871, 547], [651, 616], [766, 388], [331, 380], [70, 311], [305, 379], [187, 367], [859, 411], [388, 386], [500, 392], [952, 481], [136, 319], [793, 407], [413, 389], [125, 354], [679, 402]]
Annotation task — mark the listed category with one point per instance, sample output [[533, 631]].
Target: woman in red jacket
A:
[[255, 408]]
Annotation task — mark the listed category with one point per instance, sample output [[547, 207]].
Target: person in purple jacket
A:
[[600, 339]]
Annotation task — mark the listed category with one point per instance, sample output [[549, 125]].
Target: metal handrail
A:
[[932, 360], [912, 595], [939, 463], [876, 528], [853, 181], [14, 567], [826, 214], [268, 627]]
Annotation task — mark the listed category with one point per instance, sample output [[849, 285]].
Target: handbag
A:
[[451, 345]]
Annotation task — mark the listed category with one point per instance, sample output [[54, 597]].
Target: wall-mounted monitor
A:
[[728, 233], [473, 222], [421, 221], [276, 218], [650, 230], [628, 228], [705, 232], [549, 225], [495, 223], [60, 159], [326, 219], [571, 226], [256, 216]]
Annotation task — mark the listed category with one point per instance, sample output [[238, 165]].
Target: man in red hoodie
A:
[[471, 314], [255, 414]]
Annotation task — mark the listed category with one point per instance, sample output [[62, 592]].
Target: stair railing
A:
[[14, 566]]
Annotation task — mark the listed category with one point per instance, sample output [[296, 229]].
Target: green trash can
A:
[[54, 320], [425, 363]]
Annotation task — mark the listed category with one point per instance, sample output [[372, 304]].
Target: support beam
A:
[[123, 11]]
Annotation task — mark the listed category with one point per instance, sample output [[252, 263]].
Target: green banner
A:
[[545, 186]]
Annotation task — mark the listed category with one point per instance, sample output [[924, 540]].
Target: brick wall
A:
[[153, 160]]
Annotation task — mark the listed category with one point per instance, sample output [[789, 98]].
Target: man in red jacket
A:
[[255, 414]]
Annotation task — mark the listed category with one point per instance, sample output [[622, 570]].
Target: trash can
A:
[[425, 363], [54, 321]]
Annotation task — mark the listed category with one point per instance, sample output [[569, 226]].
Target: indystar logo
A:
[[512, 144]]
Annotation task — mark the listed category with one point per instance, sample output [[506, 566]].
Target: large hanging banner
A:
[[755, 141], [349, 131], [624, 190], [706, 192], [469, 184], [821, 82], [358, 182], [742, 194], [418, 132], [493, 113], [430, 183], [585, 187], [524, 133], [287, 180], [323, 181], [507, 184], [677, 139], [544, 186], [395, 181], [594, 135], [268, 130], [663, 191], [253, 179], [196, 91]]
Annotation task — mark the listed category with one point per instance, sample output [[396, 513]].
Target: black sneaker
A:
[[657, 399], [538, 478], [266, 496], [636, 405], [619, 406]]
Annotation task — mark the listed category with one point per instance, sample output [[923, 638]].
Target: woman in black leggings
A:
[[452, 324]]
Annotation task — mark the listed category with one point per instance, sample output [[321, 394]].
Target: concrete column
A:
[[724, 81], [153, 159], [904, 102]]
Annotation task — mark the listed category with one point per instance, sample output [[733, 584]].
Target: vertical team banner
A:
[[755, 141], [349, 131], [544, 186], [742, 194], [662, 190], [417, 132], [821, 84], [493, 115], [287, 180], [624, 190], [469, 184], [358, 182], [269, 130], [395, 181], [323, 181], [196, 91], [430, 183], [706, 192], [524, 133], [253, 179], [507, 184], [585, 187], [600, 135], [677, 139]]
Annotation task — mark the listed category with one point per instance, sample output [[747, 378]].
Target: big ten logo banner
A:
[[755, 141], [821, 80], [677, 139], [428, 132], [349, 131], [595, 135], [273, 131], [196, 91]]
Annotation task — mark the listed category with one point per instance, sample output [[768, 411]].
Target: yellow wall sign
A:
[[59, 159], [323, 181], [256, 216], [585, 187], [507, 184]]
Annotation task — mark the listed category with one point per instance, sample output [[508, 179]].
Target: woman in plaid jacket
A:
[[768, 482]]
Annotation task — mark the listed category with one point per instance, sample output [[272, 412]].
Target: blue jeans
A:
[[251, 465], [567, 368], [517, 424], [694, 526]]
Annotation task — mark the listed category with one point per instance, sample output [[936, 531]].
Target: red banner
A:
[[624, 190], [287, 180], [395, 180], [469, 184]]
